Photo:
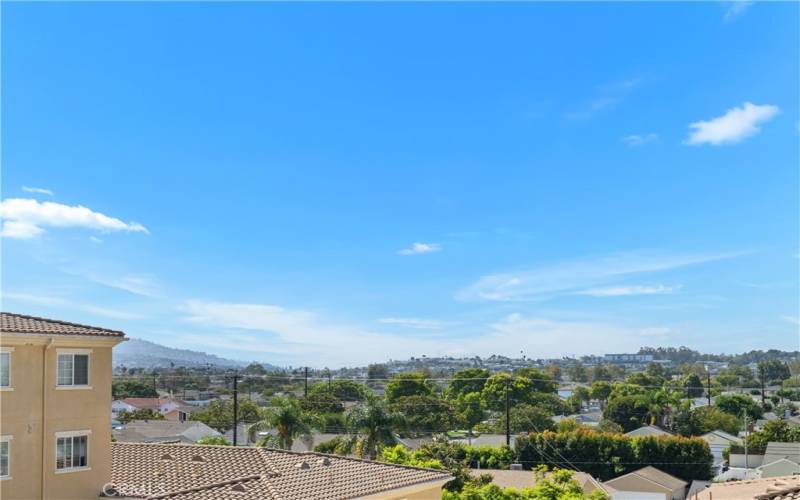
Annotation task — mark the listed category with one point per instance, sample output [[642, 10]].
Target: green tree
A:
[[214, 440], [407, 384], [577, 372], [775, 431], [321, 402], [425, 414], [540, 381], [629, 412], [373, 422], [582, 394], [377, 372], [694, 386], [601, 372], [601, 390], [254, 369], [529, 418], [735, 404], [121, 389], [472, 409], [467, 381], [219, 414], [774, 371], [706, 419], [286, 417], [141, 414]]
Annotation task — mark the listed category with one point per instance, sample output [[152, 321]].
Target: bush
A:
[[606, 455], [214, 440]]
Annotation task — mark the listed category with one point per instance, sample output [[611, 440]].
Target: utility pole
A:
[[708, 378], [746, 465], [305, 390], [235, 407], [508, 415], [762, 375], [155, 388], [329, 380]]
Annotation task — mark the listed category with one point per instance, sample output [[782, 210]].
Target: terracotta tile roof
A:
[[10, 322], [194, 472], [774, 488]]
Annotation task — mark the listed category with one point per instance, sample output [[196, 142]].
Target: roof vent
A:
[[198, 458], [324, 461], [167, 456], [302, 465], [239, 487]]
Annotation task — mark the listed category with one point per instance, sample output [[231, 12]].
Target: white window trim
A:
[[73, 387], [7, 439], [10, 386], [64, 434]]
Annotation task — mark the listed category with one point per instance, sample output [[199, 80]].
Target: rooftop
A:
[[194, 472], [776, 488], [19, 323], [655, 475]]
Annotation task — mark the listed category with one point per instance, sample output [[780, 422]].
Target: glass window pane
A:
[[65, 369], [5, 369], [68, 453], [4, 458], [79, 451], [60, 452], [81, 369]]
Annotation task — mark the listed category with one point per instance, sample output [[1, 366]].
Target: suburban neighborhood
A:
[[399, 250]]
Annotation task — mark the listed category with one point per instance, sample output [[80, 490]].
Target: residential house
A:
[[195, 472], [163, 431], [527, 479], [776, 488], [780, 459], [648, 430], [160, 405], [718, 441], [55, 391], [647, 483]]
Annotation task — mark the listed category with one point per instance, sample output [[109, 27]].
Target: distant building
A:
[[163, 431], [628, 358], [648, 430], [647, 483]]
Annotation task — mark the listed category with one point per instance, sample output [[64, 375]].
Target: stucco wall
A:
[[21, 410]]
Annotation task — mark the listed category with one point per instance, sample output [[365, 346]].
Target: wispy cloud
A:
[[37, 190], [418, 323], [792, 319], [639, 139], [734, 126], [576, 275], [736, 9], [420, 248], [137, 284], [624, 290], [61, 302], [27, 218], [609, 95]]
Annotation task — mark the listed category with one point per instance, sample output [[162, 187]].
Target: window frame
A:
[[7, 351], [6, 439], [73, 353], [72, 435]]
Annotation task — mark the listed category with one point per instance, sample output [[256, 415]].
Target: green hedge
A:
[[607, 455]]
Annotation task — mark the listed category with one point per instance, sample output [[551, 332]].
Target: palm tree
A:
[[373, 423], [289, 421]]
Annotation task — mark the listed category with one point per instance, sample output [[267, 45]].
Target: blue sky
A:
[[332, 184]]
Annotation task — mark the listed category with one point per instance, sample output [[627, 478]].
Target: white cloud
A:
[[27, 218], [639, 139], [95, 239], [736, 9], [418, 323], [792, 319], [577, 275], [623, 290], [302, 337], [420, 248], [61, 302], [37, 190], [735, 125], [138, 284]]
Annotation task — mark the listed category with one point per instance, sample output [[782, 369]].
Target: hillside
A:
[[138, 353]]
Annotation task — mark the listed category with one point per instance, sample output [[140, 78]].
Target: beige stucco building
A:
[[55, 393]]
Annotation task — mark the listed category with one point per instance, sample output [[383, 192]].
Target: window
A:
[[5, 457], [72, 450], [73, 369], [5, 368]]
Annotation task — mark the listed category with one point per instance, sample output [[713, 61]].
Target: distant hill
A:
[[138, 353]]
